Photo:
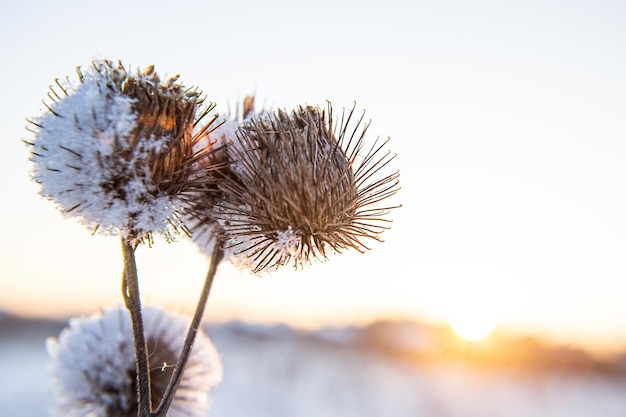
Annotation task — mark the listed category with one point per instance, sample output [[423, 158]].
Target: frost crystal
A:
[[118, 151], [287, 242], [93, 365]]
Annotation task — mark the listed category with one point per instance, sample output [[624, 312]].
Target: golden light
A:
[[471, 324]]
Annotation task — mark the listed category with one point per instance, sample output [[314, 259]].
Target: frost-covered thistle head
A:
[[93, 365], [302, 184], [117, 149]]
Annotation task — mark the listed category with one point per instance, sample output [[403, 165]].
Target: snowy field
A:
[[274, 371]]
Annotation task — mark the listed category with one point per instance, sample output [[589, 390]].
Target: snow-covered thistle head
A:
[[117, 149], [94, 372], [302, 184]]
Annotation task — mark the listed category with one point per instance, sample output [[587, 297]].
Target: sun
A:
[[471, 324]]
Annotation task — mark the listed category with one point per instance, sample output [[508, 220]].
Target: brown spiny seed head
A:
[[303, 184]]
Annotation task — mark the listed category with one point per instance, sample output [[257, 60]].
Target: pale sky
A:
[[508, 119]]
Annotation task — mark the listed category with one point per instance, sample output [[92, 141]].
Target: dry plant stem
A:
[[130, 292], [216, 257]]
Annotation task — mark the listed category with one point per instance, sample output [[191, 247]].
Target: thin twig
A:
[[177, 375], [130, 292]]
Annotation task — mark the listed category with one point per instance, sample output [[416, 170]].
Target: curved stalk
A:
[[177, 375]]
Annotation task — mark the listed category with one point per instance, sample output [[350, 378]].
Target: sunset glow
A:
[[471, 325]]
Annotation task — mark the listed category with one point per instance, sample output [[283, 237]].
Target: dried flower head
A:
[[94, 373], [300, 185], [117, 149], [222, 139]]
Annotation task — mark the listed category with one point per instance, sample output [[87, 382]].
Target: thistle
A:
[[118, 150], [301, 185], [93, 365]]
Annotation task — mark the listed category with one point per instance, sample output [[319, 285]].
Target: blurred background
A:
[[499, 288]]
